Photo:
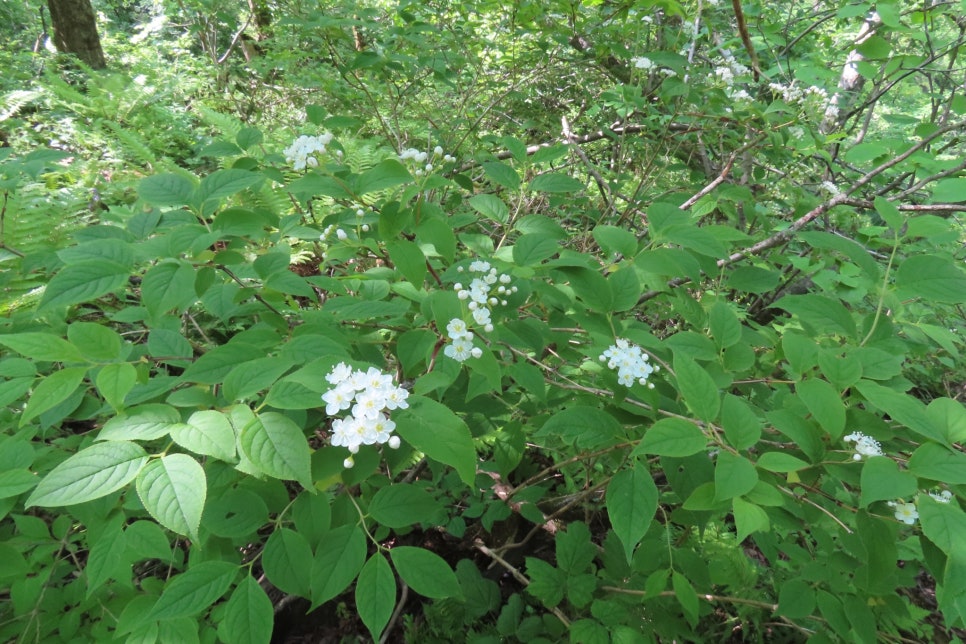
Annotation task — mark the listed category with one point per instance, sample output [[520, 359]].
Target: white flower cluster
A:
[[370, 395], [642, 62], [487, 290], [792, 94], [301, 153], [864, 445], [942, 497], [423, 161], [631, 363], [462, 347], [905, 512]]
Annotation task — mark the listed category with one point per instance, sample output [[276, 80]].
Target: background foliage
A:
[[764, 198]]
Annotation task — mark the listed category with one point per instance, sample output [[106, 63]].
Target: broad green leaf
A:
[[555, 183], [52, 390], [173, 490], [168, 285], [931, 278], [616, 240], [698, 388], [142, 423], [841, 371], [312, 515], [194, 590], [889, 212], [166, 189], [796, 599], [586, 427], [277, 447], [937, 463], [753, 279], [943, 523], [686, 596], [882, 481], [249, 378], [502, 174], [16, 482], [741, 426], [115, 381], [780, 462], [408, 260], [285, 559], [338, 559], [45, 347], [696, 239], [206, 432], [491, 207], [213, 366], [376, 594], [631, 501], [530, 250], [96, 342], [625, 286], [949, 191], [724, 325], [105, 559], [89, 474], [387, 174], [403, 504], [672, 437], [249, 617], [438, 433], [950, 416], [902, 408], [733, 476], [425, 572], [822, 313], [83, 282], [224, 183], [749, 518], [546, 582], [145, 539], [235, 513], [825, 404]]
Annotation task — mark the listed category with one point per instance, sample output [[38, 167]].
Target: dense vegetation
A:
[[536, 321]]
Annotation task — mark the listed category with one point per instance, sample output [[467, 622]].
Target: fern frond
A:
[[63, 93], [132, 143], [226, 124], [273, 199], [12, 102]]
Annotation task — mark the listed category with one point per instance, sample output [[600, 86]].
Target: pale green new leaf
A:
[[207, 432], [142, 423], [89, 474], [277, 447], [194, 590], [173, 489], [51, 391], [83, 282]]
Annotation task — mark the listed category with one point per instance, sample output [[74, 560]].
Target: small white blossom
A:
[[370, 394], [301, 153], [864, 445], [630, 362], [642, 62], [942, 497], [905, 512]]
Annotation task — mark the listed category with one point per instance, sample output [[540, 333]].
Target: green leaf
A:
[[16, 482], [686, 596], [631, 501], [575, 551], [733, 476], [96, 341], [753, 279], [206, 432], [936, 463], [168, 285], [277, 447], [285, 560], [586, 427], [796, 599], [338, 559], [312, 515], [83, 282], [882, 481], [616, 240], [749, 518], [822, 313], [555, 183], [224, 183], [249, 378], [213, 366], [931, 278], [143, 423], [376, 594], [491, 207], [533, 248], [105, 559], [725, 326], [115, 381], [403, 504], [194, 590], [825, 404], [591, 287], [502, 174], [889, 212], [672, 437], [438, 433], [902, 408], [408, 260], [780, 462], [42, 346], [173, 489], [950, 416], [386, 174], [841, 371], [698, 388], [943, 523], [249, 617], [89, 474], [52, 390], [546, 582], [741, 426], [425, 572], [166, 190], [949, 191]]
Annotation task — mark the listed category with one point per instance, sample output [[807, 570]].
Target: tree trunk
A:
[[75, 31]]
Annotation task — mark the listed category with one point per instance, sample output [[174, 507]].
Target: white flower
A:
[[370, 394], [457, 329], [460, 350], [438, 150], [341, 235], [300, 153], [630, 362], [942, 497], [864, 445], [642, 62], [339, 373], [905, 512]]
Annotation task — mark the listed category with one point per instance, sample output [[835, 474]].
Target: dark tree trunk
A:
[[75, 31]]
